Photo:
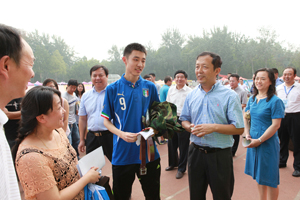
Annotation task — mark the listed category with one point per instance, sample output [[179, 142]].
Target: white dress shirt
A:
[[9, 188], [290, 97], [177, 97]]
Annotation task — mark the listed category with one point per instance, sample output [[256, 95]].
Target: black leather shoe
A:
[[281, 165], [169, 168], [179, 175], [296, 173]]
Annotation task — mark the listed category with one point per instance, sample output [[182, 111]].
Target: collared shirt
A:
[[163, 93], [91, 105], [125, 103], [220, 105], [177, 97], [290, 97], [9, 188], [242, 94], [279, 81], [72, 100]]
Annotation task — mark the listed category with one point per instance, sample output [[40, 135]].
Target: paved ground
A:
[[245, 187]]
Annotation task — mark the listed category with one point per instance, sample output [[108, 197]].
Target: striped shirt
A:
[[220, 105]]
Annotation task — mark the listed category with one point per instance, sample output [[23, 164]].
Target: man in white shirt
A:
[[16, 62], [289, 93], [242, 85], [177, 95]]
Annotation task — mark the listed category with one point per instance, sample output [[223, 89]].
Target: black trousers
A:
[[235, 144], [179, 140], [124, 175], [214, 169], [290, 128], [92, 142]]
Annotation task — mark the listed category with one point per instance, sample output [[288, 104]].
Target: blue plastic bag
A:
[[95, 192]]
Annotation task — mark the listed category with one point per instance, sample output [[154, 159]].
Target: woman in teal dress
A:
[[266, 111]]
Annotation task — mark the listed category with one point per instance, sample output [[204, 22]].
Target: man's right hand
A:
[[129, 137], [81, 146]]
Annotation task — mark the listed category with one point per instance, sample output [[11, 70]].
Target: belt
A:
[[151, 154], [99, 133], [206, 149], [296, 113]]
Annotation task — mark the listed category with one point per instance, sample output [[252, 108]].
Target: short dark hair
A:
[[168, 78], [10, 43], [152, 74], [234, 75], [181, 72], [49, 80], [275, 70], [72, 82], [146, 76], [134, 46], [294, 69], [217, 61], [94, 68]]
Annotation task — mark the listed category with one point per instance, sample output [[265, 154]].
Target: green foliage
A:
[[240, 54]]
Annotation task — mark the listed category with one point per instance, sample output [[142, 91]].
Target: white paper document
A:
[[146, 134], [92, 159]]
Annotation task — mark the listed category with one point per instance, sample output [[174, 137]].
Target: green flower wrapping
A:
[[163, 118]]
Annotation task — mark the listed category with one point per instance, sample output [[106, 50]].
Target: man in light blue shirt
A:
[[279, 81], [90, 119], [212, 113], [163, 92]]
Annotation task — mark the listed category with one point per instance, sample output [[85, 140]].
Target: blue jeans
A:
[[73, 137]]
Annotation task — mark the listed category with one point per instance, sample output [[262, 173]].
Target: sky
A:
[[92, 27]]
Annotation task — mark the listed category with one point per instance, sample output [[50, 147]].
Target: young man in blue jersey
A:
[[126, 101]]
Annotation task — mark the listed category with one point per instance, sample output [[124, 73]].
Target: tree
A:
[[57, 65], [116, 65], [170, 59]]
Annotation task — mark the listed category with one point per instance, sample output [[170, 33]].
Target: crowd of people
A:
[[47, 129]]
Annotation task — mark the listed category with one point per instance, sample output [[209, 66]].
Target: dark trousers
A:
[[214, 169], [290, 128], [179, 140], [124, 175], [74, 137], [92, 142], [235, 144]]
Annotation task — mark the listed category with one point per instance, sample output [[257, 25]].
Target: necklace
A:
[[43, 141], [262, 96]]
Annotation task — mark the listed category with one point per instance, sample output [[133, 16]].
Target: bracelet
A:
[[260, 140]]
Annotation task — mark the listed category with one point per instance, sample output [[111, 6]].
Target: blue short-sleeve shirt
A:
[[125, 104]]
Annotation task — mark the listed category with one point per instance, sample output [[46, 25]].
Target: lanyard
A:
[[288, 91]]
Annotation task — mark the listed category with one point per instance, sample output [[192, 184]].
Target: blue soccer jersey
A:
[[125, 104]]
